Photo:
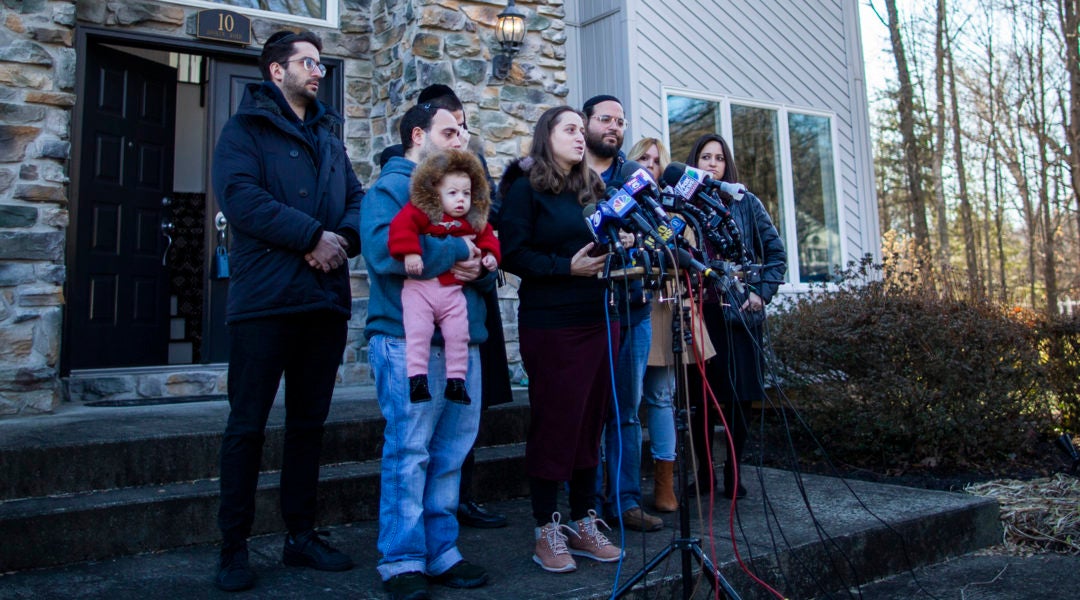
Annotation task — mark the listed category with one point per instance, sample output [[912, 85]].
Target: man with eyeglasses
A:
[[425, 442], [292, 200], [621, 497]]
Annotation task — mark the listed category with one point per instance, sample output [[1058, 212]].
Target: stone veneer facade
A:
[[392, 49]]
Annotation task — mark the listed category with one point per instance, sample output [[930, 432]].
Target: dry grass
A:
[[1040, 515]]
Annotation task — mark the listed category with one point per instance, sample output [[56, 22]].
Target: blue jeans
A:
[[425, 444], [659, 388], [622, 432]]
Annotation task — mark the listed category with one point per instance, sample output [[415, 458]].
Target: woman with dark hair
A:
[[565, 333], [734, 322]]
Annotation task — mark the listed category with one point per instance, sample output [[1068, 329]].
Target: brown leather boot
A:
[[664, 489]]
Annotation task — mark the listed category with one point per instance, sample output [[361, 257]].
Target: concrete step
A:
[[93, 483], [808, 536], [96, 448], [57, 530]]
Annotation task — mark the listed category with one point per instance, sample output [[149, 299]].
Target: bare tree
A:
[[912, 150], [1069, 17], [966, 220], [940, 208]]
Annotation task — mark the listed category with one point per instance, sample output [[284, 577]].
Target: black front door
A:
[[228, 78], [119, 305]]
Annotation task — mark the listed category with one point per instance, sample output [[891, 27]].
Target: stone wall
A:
[[393, 48], [37, 81]]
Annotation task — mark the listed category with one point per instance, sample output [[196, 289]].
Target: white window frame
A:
[[332, 20], [790, 234]]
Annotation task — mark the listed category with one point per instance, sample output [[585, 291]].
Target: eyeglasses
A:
[[608, 119], [310, 64]]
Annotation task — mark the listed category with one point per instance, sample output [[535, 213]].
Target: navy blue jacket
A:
[[281, 183]]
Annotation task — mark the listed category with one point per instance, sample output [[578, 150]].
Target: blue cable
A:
[[618, 433]]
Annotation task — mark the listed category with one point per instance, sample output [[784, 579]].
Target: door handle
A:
[[167, 229]]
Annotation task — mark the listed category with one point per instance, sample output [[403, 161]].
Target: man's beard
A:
[[596, 145], [295, 88]]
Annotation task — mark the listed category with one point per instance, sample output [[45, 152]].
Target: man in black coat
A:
[[292, 200]]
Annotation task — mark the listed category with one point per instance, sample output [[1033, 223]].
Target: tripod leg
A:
[[656, 560], [715, 578]]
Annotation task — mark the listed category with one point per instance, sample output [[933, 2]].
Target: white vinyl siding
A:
[[602, 50], [781, 53]]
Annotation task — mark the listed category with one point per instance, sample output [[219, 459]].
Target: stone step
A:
[[60, 529], [95, 448], [807, 536]]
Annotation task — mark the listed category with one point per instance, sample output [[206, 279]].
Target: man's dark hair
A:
[[279, 47], [592, 102], [420, 116], [442, 96]]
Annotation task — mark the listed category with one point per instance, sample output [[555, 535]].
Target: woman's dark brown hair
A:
[[731, 174], [545, 175]]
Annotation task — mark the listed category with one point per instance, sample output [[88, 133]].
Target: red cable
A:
[[707, 394]]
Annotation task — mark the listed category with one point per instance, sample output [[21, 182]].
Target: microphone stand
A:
[[686, 544]]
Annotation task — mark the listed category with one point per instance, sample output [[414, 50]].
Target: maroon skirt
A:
[[569, 393]]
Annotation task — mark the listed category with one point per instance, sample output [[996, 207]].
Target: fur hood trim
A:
[[424, 192]]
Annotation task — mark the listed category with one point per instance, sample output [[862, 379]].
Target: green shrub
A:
[[1060, 344], [890, 374]]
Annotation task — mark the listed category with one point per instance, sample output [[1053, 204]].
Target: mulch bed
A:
[[1041, 515]]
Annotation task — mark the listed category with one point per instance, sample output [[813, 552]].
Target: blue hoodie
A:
[[386, 275]]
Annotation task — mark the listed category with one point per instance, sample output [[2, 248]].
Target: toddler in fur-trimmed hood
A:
[[448, 195]]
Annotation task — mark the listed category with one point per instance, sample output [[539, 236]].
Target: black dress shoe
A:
[[234, 574], [472, 514], [309, 550], [739, 493]]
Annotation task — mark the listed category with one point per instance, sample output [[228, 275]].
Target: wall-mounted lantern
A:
[[510, 32]]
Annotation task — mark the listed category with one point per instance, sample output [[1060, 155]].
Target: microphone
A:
[[604, 224], [686, 261], [628, 211], [641, 185], [679, 177]]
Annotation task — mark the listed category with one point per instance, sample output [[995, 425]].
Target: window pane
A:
[[756, 145], [816, 222], [689, 119], [302, 8]]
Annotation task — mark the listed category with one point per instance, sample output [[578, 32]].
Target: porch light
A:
[[510, 32]]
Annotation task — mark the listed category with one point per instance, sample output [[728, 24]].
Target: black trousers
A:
[[307, 349], [736, 377]]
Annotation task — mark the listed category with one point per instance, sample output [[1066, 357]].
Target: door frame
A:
[[87, 36]]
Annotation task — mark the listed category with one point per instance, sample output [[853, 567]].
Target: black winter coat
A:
[[279, 193]]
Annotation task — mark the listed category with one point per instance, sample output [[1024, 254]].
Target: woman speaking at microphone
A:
[[564, 332], [734, 323]]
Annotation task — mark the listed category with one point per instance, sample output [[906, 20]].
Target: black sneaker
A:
[[455, 391], [418, 389], [462, 575], [309, 550], [234, 574], [407, 586]]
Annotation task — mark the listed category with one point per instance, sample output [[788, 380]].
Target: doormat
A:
[[153, 401]]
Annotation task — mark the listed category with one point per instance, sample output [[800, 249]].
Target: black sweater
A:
[[540, 233]]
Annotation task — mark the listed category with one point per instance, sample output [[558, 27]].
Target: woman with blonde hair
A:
[[658, 386]]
